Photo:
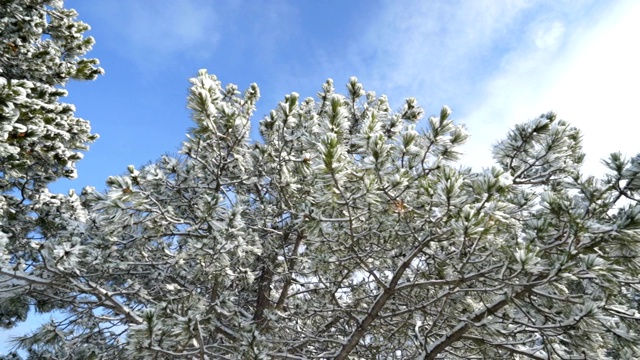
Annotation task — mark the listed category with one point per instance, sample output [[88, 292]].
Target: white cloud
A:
[[593, 82], [549, 36], [499, 63], [496, 63], [431, 49]]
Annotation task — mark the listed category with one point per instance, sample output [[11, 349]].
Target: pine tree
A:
[[349, 231], [41, 48]]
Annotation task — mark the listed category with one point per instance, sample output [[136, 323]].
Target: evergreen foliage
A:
[[41, 48], [349, 231]]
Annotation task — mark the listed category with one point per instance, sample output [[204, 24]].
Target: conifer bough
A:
[[348, 231]]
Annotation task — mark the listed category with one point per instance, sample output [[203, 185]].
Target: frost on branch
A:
[[41, 48], [540, 150], [349, 231]]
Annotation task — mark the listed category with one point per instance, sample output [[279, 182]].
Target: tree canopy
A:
[[349, 230], [41, 48]]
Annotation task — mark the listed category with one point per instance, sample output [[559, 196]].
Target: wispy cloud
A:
[[150, 31], [495, 63], [584, 69], [499, 63], [432, 49], [549, 36]]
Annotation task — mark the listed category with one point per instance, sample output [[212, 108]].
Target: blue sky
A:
[[495, 63]]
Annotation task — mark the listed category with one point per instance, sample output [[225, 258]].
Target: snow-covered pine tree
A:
[[349, 231], [41, 48]]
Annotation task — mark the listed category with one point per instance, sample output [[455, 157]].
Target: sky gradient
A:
[[495, 63]]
